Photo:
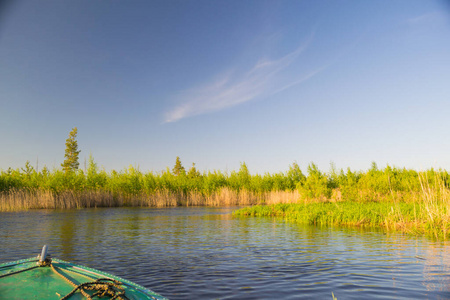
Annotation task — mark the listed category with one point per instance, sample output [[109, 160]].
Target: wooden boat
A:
[[44, 277]]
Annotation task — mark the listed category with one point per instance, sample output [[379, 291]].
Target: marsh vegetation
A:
[[394, 198], [406, 195]]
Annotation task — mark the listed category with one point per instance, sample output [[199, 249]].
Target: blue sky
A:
[[224, 82]]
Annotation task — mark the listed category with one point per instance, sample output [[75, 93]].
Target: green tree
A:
[[92, 176], [316, 184], [244, 176], [294, 176], [193, 172], [28, 170], [71, 155], [178, 169]]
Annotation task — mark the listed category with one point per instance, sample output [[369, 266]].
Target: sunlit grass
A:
[[426, 213]]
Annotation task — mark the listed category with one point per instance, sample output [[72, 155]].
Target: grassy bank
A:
[[393, 198], [427, 213]]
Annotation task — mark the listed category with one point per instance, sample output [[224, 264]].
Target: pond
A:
[[206, 253]]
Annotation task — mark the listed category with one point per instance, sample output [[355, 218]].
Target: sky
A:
[[219, 83]]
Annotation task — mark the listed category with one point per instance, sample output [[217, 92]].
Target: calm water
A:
[[205, 253]]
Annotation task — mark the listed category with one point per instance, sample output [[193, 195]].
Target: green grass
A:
[[331, 213], [409, 217]]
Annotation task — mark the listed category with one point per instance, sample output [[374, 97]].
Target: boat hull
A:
[[24, 279]]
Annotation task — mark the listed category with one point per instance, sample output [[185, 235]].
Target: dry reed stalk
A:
[[195, 198], [276, 197], [247, 198], [336, 195], [98, 198], [161, 198], [17, 200], [223, 197], [37, 199]]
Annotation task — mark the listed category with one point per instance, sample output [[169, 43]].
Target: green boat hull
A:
[[24, 279]]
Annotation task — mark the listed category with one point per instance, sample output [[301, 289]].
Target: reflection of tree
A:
[[132, 225], [67, 235]]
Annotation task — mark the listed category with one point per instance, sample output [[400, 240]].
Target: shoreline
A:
[[426, 213], [412, 218], [406, 200]]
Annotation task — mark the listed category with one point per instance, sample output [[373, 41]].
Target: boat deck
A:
[[24, 279]]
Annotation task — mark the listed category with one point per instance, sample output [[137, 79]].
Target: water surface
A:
[[205, 253]]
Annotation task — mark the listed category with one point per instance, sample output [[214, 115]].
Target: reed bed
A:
[[24, 199], [393, 198]]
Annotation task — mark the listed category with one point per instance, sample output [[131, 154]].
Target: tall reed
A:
[[24, 199], [435, 203]]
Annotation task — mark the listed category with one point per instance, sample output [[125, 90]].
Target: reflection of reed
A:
[[437, 268], [24, 199]]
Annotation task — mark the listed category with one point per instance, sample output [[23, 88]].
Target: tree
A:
[[295, 176], [92, 172], [193, 173], [71, 155], [178, 169], [28, 168], [244, 176], [315, 185]]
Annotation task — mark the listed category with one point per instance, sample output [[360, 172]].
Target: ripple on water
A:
[[205, 253]]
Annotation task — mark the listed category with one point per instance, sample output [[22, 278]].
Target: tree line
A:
[[372, 185]]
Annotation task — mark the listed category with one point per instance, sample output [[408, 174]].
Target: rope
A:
[[103, 286], [69, 281]]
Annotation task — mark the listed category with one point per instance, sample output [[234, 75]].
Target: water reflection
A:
[[67, 234], [205, 253]]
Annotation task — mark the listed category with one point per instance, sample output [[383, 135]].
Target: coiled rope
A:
[[103, 287]]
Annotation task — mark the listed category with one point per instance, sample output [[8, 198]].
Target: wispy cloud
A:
[[234, 88], [431, 17]]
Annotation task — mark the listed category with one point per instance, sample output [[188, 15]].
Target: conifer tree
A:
[[71, 155], [178, 169]]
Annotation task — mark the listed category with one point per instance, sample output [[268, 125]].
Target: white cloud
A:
[[233, 89], [438, 17]]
